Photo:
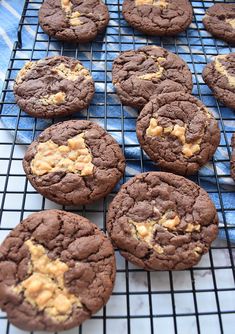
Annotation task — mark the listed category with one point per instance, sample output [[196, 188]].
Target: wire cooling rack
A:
[[200, 300]]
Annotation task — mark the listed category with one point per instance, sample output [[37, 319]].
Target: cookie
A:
[[232, 161], [161, 221], [53, 86], [73, 20], [219, 75], [220, 21], [178, 132], [56, 270], [74, 162], [137, 75], [158, 17]]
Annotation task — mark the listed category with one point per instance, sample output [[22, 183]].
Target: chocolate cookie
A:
[[73, 20], [54, 86], [219, 75], [137, 75], [74, 162], [220, 21], [178, 132], [161, 221], [232, 162], [158, 17], [56, 270]]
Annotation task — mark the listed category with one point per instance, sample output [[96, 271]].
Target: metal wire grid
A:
[[200, 300]]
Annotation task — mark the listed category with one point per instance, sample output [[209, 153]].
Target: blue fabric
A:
[[10, 12]]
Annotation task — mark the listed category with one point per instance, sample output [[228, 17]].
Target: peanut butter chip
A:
[[158, 249], [197, 251], [169, 223], [74, 19], [188, 149], [26, 68], [154, 129], [179, 131], [145, 230], [66, 5], [193, 227], [155, 75], [72, 74], [72, 16], [74, 157], [44, 288], [57, 99], [231, 22], [222, 70], [157, 3]]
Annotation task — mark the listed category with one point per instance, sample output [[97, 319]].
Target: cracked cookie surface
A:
[[161, 221], [219, 75], [178, 132], [56, 270], [74, 162], [219, 20], [53, 86], [137, 75], [158, 17], [73, 20], [232, 161]]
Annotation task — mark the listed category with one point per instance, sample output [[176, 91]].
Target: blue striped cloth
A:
[[10, 12]]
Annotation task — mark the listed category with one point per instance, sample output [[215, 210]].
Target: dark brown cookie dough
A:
[[219, 75], [56, 270], [53, 86], [178, 132], [220, 21], [232, 162], [73, 20], [158, 17], [137, 75], [161, 221], [74, 162]]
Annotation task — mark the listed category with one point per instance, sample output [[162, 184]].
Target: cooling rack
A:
[[200, 300]]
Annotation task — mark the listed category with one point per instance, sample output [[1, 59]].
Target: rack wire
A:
[[199, 300]]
